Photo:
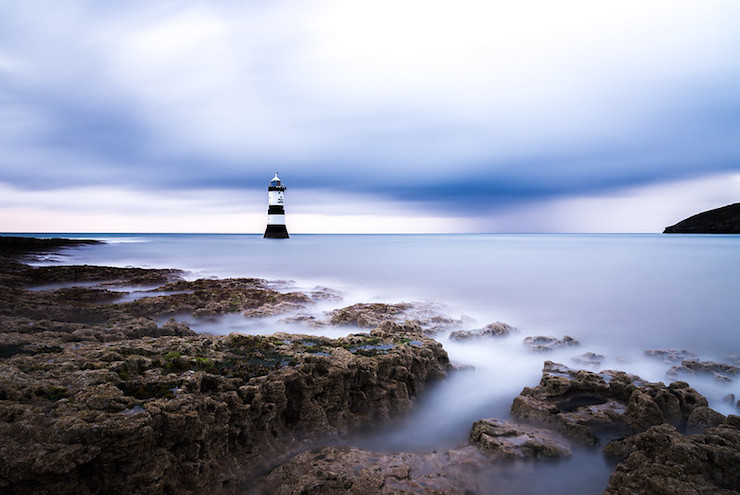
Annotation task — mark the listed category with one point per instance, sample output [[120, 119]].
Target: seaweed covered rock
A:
[[187, 414], [583, 404], [662, 461]]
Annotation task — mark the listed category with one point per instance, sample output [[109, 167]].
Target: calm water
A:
[[619, 295]]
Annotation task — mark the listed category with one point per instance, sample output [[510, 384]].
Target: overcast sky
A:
[[381, 116]]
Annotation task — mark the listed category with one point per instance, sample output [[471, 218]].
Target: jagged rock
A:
[[542, 343], [423, 316], [721, 372], [367, 315], [702, 418], [507, 440], [670, 355], [496, 329], [661, 461], [341, 470], [272, 309], [590, 359], [196, 413], [583, 405]]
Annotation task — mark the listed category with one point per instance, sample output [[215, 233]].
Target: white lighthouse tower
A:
[[275, 210]]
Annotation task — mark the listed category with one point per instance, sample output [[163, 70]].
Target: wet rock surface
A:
[[721, 372], [545, 344], [584, 405], [662, 461], [335, 470], [588, 359], [670, 355], [187, 414], [342, 470], [495, 329], [507, 440], [424, 317]]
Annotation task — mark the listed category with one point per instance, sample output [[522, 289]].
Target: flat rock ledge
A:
[[585, 406], [341, 470], [195, 414], [506, 440]]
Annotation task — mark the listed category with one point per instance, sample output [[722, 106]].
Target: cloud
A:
[[423, 103]]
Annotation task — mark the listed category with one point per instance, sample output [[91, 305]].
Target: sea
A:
[[619, 295]]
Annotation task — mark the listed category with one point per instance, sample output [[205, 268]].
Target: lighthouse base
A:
[[276, 232]]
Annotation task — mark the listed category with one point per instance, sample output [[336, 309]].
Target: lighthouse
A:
[[275, 210]]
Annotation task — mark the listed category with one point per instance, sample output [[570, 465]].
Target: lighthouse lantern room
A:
[[276, 210]]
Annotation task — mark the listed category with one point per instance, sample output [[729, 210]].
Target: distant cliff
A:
[[725, 220]]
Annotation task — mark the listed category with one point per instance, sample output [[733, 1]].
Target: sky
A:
[[382, 116]]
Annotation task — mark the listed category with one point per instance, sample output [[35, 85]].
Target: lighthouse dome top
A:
[[275, 180]]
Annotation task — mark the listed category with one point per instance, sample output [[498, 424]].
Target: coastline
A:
[[101, 388]]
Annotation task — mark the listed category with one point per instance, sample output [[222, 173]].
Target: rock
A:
[[303, 319], [661, 461], [335, 470], [325, 294], [590, 359], [341, 470], [671, 355], [702, 418], [13, 246], [542, 343], [194, 413], [506, 440], [108, 275], [584, 405], [367, 315], [424, 317], [720, 371], [729, 399], [496, 329], [724, 220], [272, 309]]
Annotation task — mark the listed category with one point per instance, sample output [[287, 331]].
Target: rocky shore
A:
[[95, 397], [102, 393]]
